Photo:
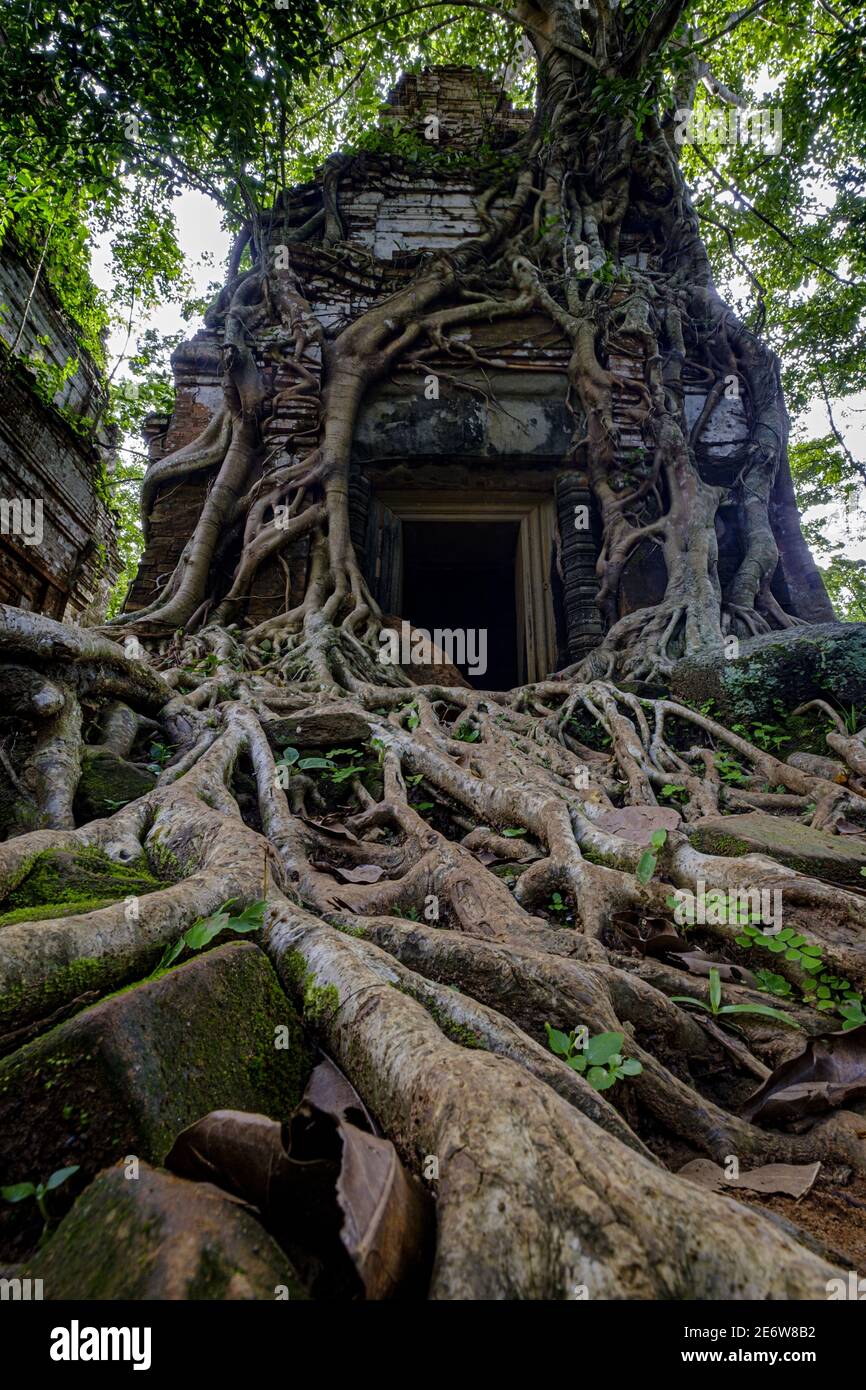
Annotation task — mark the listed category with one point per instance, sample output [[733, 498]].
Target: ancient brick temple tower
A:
[[467, 509]]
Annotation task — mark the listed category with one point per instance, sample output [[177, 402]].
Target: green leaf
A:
[[343, 773], [745, 941], [200, 933], [309, 764], [18, 1191], [170, 955], [715, 990], [631, 1067], [558, 1042], [646, 866], [288, 757], [251, 919], [603, 1047], [763, 1009], [599, 1078], [513, 832], [60, 1177], [658, 838], [579, 1062], [690, 999]]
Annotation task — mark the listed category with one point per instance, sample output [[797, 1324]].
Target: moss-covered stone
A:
[[108, 782], [778, 671], [49, 911], [73, 877], [833, 857], [125, 1076], [156, 1236]]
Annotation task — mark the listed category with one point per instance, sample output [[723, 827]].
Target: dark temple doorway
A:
[[463, 575]]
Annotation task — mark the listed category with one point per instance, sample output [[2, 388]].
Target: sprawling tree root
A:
[[544, 1185], [534, 1201]]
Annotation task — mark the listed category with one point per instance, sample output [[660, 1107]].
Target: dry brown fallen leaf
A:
[[638, 823], [830, 1071], [792, 1179], [362, 873], [335, 1195]]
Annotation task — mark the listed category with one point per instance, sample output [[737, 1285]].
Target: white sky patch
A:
[[199, 230]]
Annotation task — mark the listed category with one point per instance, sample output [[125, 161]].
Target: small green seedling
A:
[[828, 991], [288, 757], [557, 903], [771, 983], [646, 865], [202, 932], [598, 1058], [20, 1191], [718, 1009], [513, 832], [729, 769], [159, 756], [717, 908], [466, 734], [852, 1013], [787, 942], [292, 760], [770, 737]]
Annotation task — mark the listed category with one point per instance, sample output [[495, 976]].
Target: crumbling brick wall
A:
[[52, 460]]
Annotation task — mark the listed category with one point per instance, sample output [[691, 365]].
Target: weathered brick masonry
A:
[[44, 458], [496, 438]]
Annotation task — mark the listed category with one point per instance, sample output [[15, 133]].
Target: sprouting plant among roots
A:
[[38, 1191]]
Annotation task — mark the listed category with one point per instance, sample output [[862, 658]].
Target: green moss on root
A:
[[81, 876], [457, 1032], [318, 1001]]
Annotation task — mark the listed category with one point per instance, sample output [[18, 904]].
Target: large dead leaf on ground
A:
[[791, 1179], [332, 827], [336, 1196], [829, 1072], [362, 873], [334, 1093], [652, 936], [638, 823]]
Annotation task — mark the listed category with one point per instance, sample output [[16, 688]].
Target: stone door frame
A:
[[536, 516]]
